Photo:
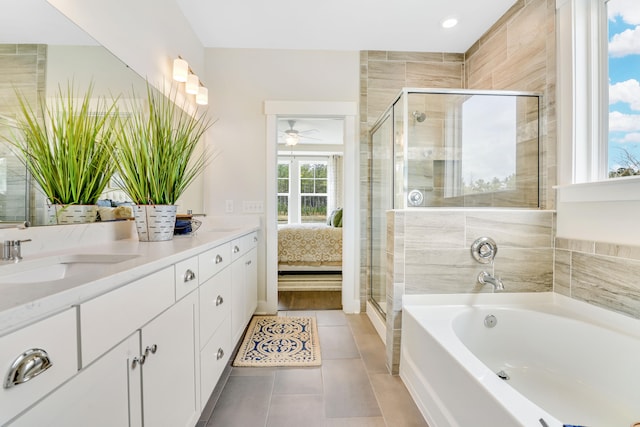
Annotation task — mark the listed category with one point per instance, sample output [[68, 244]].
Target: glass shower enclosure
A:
[[451, 148]]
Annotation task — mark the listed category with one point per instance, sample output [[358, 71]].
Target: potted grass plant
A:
[[157, 158], [67, 146]]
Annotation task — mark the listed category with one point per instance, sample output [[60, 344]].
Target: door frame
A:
[[348, 111]]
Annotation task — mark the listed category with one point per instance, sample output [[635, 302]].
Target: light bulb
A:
[[193, 83], [180, 70], [202, 97]]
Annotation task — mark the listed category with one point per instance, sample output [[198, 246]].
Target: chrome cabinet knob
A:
[[189, 275], [219, 300], [236, 249], [218, 259], [138, 361], [28, 365], [220, 354], [151, 349]]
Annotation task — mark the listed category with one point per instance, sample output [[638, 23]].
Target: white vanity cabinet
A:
[[25, 355], [245, 277], [145, 354]]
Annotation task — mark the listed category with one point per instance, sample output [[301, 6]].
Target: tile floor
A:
[[351, 389]]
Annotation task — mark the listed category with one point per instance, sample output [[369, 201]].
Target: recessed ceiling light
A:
[[449, 23]]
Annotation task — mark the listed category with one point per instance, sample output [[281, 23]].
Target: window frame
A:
[[295, 192], [583, 107]]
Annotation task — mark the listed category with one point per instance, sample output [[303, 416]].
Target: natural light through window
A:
[[624, 87], [302, 191]]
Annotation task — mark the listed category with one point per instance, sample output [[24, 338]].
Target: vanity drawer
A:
[[57, 336], [214, 260], [215, 303], [213, 359], [187, 277], [244, 244], [110, 318]]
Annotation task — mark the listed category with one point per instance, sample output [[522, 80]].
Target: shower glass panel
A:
[[381, 200], [450, 148], [469, 149]]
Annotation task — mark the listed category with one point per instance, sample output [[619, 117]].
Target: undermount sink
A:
[[60, 267]]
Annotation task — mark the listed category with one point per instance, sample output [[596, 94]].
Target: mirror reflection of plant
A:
[[156, 151], [67, 146]]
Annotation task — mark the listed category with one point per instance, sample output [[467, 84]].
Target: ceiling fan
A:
[[292, 136]]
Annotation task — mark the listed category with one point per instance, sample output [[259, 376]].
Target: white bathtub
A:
[[568, 362]]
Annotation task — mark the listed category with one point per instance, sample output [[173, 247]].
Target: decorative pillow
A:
[[336, 220], [330, 217]]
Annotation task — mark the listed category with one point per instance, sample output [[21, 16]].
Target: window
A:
[[313, 191], [302, 191], [623, 18]]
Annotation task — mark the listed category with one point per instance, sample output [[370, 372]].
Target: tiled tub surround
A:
[[602, 274], [428, 252]]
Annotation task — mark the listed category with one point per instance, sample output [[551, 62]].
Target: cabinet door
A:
[[244, 292], [169, 370], [106, 393], [251, 282], [238, 304]]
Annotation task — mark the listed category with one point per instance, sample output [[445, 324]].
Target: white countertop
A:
[[22, 304]]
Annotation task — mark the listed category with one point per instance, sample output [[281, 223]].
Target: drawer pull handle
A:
[[138, 361], [151, 349], [28, 365], [220, 354], [218, 259], [189, 275], [236, 249], [219, 300]]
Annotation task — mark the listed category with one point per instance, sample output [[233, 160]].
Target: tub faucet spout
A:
[[486, 278]]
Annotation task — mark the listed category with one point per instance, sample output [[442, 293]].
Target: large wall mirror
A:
[[40, 51]]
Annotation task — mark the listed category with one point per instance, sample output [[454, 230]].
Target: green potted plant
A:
[[67, 146], [157, 159]]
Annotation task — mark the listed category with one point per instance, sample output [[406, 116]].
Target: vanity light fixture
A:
[[449, 23], [202, 97], [192, 85], [180, 70]]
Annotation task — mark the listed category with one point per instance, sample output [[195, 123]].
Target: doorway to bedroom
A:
[[310, 200]]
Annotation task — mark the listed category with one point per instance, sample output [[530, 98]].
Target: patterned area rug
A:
[[280, 341]]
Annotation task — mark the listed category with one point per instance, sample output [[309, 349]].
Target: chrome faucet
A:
[[486, 278], [12, 250]]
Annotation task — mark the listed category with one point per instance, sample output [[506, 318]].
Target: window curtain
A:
[[335, 188]]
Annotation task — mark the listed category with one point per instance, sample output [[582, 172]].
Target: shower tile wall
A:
[[599, 273], [519, 53], [382, 75], [23, 68]]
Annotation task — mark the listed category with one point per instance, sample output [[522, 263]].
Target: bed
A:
[[309, 247]]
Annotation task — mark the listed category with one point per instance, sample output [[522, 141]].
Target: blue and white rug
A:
[[280, 341]]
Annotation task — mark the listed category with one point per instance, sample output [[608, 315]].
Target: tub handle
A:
[[484, 250]]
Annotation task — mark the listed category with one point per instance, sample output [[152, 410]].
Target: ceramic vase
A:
[[155, 223]]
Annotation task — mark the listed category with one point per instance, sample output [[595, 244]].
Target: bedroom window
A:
[[313, 191], [302, 191]]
